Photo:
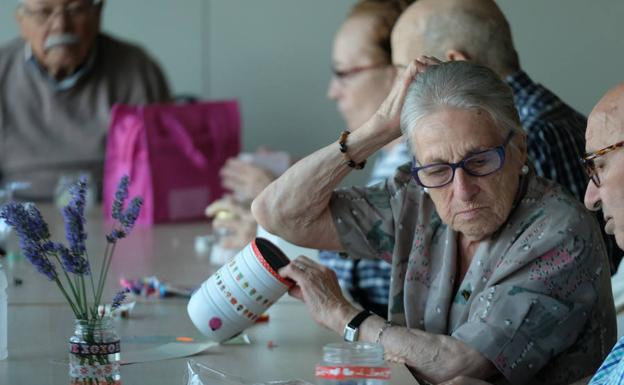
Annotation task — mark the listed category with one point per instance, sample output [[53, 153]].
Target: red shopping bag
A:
[[172, 154]]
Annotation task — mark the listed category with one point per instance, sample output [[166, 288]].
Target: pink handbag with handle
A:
[[172, 154]]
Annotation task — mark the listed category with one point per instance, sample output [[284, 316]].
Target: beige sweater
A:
[[45, 133]]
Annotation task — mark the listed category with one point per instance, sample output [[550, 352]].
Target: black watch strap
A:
[[351, 331]]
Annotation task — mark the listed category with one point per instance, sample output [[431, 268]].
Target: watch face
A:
[[351, 334]]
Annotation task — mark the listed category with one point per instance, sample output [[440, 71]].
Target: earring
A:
[[524, 169], [426, 190]]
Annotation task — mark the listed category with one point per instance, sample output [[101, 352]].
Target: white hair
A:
[[460, 84]]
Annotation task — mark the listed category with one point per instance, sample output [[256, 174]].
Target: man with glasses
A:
[[59, 81], [604, 162]]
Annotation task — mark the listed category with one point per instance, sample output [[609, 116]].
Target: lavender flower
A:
[[120, 197], [33, 234], [36, 253], [131, 214], [37, 247], [26, 220], [72, 263], [127, 217], [115, 235], [73, 259], [119, 298], [74, 229]]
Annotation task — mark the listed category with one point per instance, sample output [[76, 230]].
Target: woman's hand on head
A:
[[390, 110], [317, 286]]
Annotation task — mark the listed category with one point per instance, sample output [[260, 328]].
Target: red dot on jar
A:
[[215, 323]]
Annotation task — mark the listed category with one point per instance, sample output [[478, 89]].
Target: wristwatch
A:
[[352, 330]]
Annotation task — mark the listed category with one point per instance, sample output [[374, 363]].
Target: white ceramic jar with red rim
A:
[[239, 292]]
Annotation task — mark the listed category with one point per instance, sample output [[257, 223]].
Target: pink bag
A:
[[172, 154]]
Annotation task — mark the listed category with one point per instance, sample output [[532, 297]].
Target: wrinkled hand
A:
[[390, 110], [233, 222], [317, 286], [245, 180], [461, 380]]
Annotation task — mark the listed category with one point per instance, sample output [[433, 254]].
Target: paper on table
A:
[[165, 352], [240, 339]]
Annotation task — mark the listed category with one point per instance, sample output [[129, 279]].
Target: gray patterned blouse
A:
[[536, 300]]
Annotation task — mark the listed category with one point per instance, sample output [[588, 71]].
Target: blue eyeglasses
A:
[[480, 164]]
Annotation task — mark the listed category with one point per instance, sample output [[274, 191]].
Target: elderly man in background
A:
[[58, 83], [477, 30]]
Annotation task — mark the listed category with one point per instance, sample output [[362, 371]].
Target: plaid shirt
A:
[[555, 142], [555, 133], [368, 280], [611, 372]]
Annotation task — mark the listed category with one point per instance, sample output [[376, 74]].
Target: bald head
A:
[[606, 121], [605, 129], [473, 30]]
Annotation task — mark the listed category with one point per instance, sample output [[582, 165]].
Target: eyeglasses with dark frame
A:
[[482, 163], [347, 73], [590, 157], [74, 10]]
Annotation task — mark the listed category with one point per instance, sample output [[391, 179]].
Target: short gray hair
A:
[[460, 84]]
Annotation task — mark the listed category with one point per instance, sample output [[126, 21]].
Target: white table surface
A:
[[40, 322]]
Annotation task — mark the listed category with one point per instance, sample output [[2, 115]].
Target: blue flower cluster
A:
[[33, 235], [127, 217], [73, 257], [119, 298]]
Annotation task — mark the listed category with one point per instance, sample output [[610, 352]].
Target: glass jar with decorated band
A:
[[94, 353]]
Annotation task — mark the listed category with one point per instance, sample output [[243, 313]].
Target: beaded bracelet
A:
[[385, 326], [342, 142]]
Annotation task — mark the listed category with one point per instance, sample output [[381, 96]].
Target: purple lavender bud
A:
[[120, 197], [78, 192], [33, 234], [73, 263], [131, 214], [37, 226], [115, 235], [119, 298], [35, 253], [26, 220], [75, 229]]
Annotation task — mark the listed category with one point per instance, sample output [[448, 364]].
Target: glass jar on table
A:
[[353, 363], [94, 353]]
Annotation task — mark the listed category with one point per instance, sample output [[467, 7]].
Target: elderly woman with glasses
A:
[[496, 273]]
